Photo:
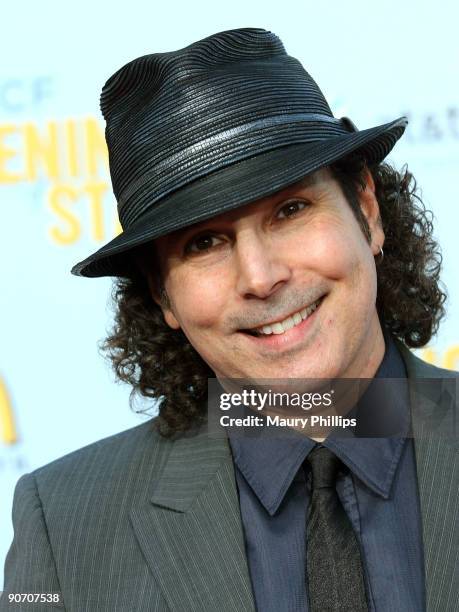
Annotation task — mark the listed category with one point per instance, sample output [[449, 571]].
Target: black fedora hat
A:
[[213, 126]]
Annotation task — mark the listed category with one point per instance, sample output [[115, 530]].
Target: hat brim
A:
[[235, 185]]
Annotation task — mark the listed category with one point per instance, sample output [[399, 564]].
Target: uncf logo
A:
[[8, 434]]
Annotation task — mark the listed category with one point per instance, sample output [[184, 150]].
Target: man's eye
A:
[[291, 208], [201, 243]]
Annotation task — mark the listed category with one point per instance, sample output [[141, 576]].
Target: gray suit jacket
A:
[[136, 522]]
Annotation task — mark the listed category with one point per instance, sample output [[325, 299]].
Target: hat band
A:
[[130, 211]]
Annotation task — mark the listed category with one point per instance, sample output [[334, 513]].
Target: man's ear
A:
[[159, 295], [370, 208]]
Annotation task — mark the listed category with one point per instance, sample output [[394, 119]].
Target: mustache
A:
[[275, 308]]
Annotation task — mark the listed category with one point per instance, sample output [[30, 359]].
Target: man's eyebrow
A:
[[181, 232], [308, 180]]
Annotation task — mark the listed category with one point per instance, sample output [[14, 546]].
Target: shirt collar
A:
[[374, 460], [269, 464]]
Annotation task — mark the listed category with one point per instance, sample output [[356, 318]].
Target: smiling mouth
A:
[[280, 327]]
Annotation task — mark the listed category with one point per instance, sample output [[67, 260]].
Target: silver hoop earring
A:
[[381, 254]]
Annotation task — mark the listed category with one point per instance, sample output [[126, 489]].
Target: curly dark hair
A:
[[160, 362]]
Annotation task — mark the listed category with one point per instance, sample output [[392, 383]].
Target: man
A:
[[263, 239]]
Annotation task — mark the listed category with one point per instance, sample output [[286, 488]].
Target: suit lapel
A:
[[190, 530], [434, 414]]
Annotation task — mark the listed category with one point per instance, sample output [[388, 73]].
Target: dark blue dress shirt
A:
[[379, 493]]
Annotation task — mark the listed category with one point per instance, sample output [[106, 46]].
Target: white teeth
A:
[[289, 322], [304, 313]]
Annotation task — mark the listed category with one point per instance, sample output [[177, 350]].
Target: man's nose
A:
[[261, 269]]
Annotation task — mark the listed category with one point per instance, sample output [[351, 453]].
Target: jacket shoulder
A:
[[418, 368], [119, 458], [72, 526]]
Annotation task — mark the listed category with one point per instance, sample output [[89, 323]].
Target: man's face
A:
[[267, 262]]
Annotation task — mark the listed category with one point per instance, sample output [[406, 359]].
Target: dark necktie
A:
[[334, 567]]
